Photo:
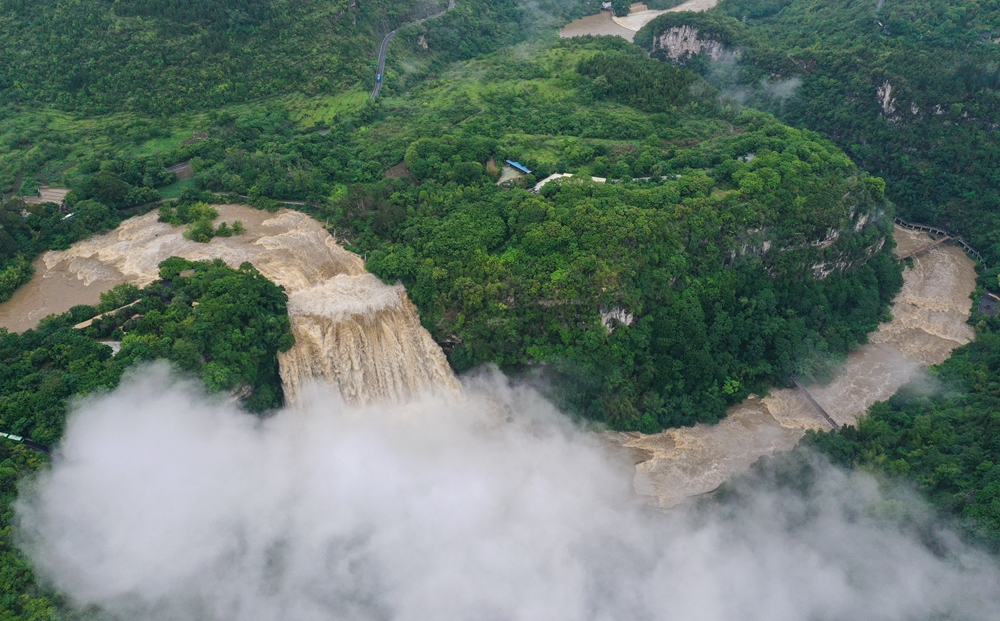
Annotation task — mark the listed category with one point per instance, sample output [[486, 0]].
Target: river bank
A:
[[361, 336], [929, 322], [606, 23], [365, 338]]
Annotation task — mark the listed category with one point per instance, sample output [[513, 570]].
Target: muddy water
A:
[[358, 334], [928, 322], [605, 23], [52, 291], [365, 338], [600, 24]]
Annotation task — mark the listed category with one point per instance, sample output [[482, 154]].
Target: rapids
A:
[[929, 321], [360, 335], [365, 337]]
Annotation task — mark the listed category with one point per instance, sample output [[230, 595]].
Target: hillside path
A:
[[384, 48]]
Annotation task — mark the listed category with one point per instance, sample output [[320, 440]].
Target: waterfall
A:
[[351, 330], [365, 338]]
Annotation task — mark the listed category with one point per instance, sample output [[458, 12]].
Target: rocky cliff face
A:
[[847, 243], [680, 43]]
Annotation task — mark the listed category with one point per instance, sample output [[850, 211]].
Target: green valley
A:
[[647, 234]]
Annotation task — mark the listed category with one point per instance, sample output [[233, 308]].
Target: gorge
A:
[[364, 338], [588, 311], [929, 321]]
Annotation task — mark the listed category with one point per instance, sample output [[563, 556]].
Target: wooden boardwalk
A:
[[942, 233]]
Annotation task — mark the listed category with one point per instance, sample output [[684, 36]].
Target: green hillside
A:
[[230, 341], [159, 57], [520, 280], [742, 233], [727, 251], [164, 56], [910, 89], [736, 258], [911, 93]]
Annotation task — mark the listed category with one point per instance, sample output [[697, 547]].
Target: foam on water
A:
[[362, 336]]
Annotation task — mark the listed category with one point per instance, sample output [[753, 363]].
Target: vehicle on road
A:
[[41, 448], [378, 78]]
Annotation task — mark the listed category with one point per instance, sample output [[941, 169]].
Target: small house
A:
[[518, 166]]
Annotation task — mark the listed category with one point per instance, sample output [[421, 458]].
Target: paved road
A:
[[35, 446], [384, 48]]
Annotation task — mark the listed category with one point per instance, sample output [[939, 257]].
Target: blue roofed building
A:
[[518, 166]]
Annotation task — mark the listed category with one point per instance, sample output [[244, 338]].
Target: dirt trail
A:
[[929, 317]]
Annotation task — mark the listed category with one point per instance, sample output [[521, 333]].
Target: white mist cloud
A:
[[167, 504]]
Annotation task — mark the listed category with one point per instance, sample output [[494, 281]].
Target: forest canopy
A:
[[166, 56], [729, 253], [909, 89], [941, 434], [636, 299], [224, 325], [727, 250]]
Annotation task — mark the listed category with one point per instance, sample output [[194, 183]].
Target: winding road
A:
[[384, 48]]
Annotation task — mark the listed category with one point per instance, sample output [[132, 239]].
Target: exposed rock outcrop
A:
[[680, 43]]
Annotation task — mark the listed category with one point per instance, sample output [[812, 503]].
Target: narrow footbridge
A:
[[933, 244], [943, 237], [816, 405]]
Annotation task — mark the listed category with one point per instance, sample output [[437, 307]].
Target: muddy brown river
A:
[[340, 332], [605, 23], [360, 336], [929, 321]]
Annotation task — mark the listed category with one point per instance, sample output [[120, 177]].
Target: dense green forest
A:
[[909, 89], [165, 56], [734, 262], [222, 324], [225, 325], [730, 248], [91, 55], [20, 596], [942, 436], [522, 280]]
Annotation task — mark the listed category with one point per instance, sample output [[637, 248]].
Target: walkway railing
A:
[[941, 232]]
